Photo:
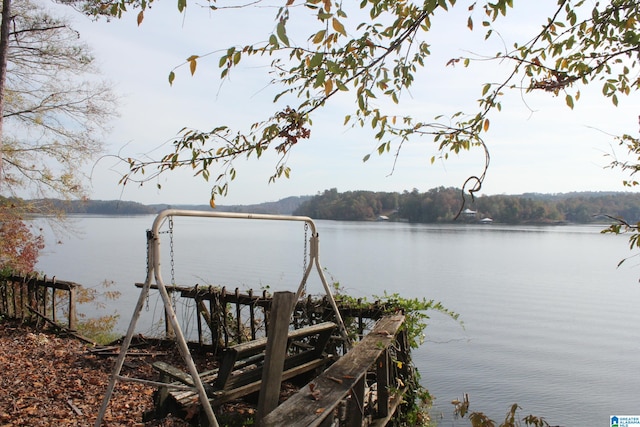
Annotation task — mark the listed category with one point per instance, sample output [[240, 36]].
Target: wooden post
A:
[[162, 396], [355, 407], [214, 318], [267, 312], [53, 304], [3, 296], [72, 308], [199, 306], [225, 327], [17, 286], [252, 315], [275, 353], [45, 294], [31, 286], [238, 317], [382, 375]]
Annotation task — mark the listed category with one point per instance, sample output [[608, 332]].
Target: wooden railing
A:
[[368, 382], [229, 316], [33, 298]]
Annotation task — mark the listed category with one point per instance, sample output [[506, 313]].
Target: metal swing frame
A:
[[154, 272]]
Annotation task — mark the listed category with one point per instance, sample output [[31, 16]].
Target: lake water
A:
[[550, 323]]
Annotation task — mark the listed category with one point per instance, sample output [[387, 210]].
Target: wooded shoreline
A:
[[438, 205]]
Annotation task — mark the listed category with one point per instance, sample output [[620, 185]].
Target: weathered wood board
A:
[[309, 407]]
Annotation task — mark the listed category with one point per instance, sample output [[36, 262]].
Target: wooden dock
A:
[[346, 381], [364, 387]]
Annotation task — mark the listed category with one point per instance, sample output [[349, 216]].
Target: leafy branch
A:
[[375, 61]]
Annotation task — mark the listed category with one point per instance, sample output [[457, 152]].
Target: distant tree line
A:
[[444, 204], [101, 207], [119, 207], [436, 205]]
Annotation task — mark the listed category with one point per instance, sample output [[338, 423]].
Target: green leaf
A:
[[319, 79], [281, 31], [273, 41], [172, 77], [365, 158], [182, 4], [569, 100], [316, 60], [322, 15]]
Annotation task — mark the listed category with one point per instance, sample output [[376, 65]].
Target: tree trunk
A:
[[4, 47]]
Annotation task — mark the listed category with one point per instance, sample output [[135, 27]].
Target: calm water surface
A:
[[550, 323]]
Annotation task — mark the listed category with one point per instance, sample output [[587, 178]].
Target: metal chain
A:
[[304, 254], [173, 270], [149, 236]]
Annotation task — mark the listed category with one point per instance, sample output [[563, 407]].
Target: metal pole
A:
[[316, 260], [127, 339], [172, 319]]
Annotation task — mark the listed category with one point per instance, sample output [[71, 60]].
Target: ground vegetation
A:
[[58, 381]]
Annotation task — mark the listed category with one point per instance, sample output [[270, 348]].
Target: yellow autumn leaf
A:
[[486, 125], [337, 25], [319, 36], [328, 87], [630, 23]]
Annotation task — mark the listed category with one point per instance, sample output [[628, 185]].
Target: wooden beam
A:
[[382, 376], [355, 406], [275, 353], [72, 310], [394, 401]]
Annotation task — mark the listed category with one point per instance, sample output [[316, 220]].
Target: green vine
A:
[[414, 411]]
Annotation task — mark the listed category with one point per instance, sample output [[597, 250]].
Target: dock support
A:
[[275, 353]]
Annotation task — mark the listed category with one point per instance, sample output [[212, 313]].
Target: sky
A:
[[536, 143]]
